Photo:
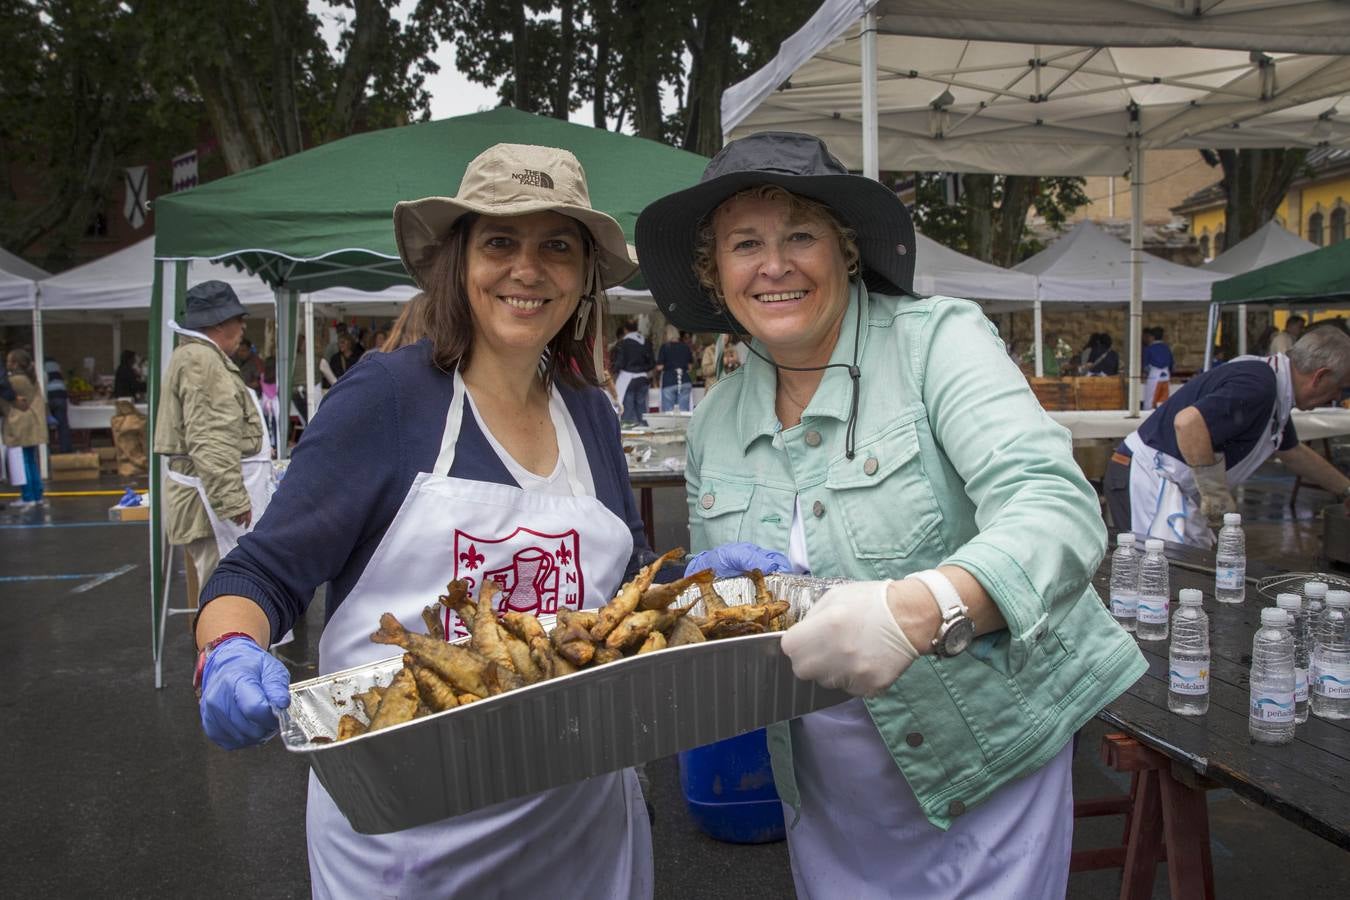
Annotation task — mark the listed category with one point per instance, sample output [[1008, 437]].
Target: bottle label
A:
[[1333, 680], [1272, 708], [1230, 578], [1153, 610], [1190, 678], [1300, 685], [1123, 605]]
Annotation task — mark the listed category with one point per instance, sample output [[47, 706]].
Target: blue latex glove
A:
[[730, 560], [241, 682]]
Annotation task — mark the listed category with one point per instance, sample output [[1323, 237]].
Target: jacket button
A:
[[707, 501], [870, 467], [914, 739], [818, 509], [955, 808], [812, 438]]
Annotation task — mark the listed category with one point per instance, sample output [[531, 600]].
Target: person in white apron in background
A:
[[210, 426], [1158, 365], [1173, 478], [887, 439], [482, 451]]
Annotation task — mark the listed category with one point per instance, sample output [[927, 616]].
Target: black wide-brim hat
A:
[[211, 303], [798, 163]]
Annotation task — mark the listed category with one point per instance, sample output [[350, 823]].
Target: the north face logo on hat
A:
[[538, 179]]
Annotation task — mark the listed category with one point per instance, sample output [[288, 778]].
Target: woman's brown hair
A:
[[410, 326], [448, 318]]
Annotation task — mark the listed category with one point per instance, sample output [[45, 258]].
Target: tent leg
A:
[[1242, 329], [311, 394], [40, 368], [285, 300], [1039, 338], [871, 164], [117, 341], [1210, 328], [1136, 363]]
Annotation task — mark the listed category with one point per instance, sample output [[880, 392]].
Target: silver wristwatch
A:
[[957, 629]]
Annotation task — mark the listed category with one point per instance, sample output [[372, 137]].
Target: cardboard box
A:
[[129, 513]]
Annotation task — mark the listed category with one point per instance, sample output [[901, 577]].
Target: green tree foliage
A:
[[988, 219], [620, 56], [88, 87]]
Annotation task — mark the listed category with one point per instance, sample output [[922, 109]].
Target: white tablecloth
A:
[[95, 415], [1097, 424]]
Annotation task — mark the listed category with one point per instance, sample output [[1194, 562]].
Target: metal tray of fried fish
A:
[[555, 732]]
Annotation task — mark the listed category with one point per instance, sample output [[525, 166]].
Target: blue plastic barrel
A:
[[728, 788]]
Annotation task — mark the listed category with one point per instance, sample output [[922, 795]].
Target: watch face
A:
[[958, 637]]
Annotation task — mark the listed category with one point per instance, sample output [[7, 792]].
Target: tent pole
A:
[[1136, 272], [311, 395], [117, 342], [285, 309], [871, 166], [40, 368], [1210, 327], [1242, 329], [1039, 338]]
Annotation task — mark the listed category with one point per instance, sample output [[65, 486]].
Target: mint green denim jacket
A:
[[956, 464]]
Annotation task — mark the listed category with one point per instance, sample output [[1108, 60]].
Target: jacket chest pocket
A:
[[884, 496], [720, 510]]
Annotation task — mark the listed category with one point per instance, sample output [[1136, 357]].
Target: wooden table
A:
[[1174, 759], [645, 481]]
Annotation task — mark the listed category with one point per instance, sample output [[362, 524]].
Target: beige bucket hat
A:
[[511, 180]]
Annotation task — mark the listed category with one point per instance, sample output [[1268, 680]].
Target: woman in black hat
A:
[[886, 438]]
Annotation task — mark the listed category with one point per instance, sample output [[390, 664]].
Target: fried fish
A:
[[350, 726], [434, 691], [462, 668], [399, 703], [626, 600], [655, 641], [660, 596]]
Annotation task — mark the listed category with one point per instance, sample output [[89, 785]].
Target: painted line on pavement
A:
[[87, 575], [69, 525], [103, 579]]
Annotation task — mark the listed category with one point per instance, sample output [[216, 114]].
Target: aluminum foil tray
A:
[[553, 733]]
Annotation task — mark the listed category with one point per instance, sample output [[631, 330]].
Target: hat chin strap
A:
[[854, 373]]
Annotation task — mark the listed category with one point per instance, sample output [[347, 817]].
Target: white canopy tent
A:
[[1055, 86], [16, 292], [938, 269], [1271, 243]]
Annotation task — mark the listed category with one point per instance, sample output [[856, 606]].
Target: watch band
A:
[[944, 592]]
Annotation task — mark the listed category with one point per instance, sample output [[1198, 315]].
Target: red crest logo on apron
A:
[[537, 571]]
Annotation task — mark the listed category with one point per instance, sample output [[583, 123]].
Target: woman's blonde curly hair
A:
[[800, 209]]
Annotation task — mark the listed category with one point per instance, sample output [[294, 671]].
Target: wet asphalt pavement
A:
[[112, 791]]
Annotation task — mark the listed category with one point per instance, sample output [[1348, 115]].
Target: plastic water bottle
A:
[[1125, 581], [1292, 604], [1331, 692], [1188, 657], [1230, 561], [1314, 601], [1154, 591], [1272, 680]]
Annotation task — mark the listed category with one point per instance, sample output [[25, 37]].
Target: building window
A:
[[1337, 226], [1204, 247], [1315, 228], [1218, 242]]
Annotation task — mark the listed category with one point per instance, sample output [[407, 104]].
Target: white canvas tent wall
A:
[[938, 269], [1054, 86]]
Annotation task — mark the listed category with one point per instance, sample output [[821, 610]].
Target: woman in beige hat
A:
[[484, 450]]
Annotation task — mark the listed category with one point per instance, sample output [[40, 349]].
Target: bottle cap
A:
[[1232, 518], [1191, 597], [1274, 617], [1315, 589], [1339, 599], [1289, 601], [1125, 540], [1153, 545]]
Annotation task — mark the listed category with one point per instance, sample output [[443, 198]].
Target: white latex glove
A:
[[850, 640], [1215, 498]]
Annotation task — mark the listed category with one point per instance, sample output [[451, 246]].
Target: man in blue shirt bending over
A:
[[1173, 477]]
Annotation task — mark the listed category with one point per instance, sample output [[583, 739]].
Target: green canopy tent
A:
[[322, 219], [1317, 278]]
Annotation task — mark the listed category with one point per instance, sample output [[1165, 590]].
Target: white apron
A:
[[257, 472], [1164, 501], [590, 839], [1156, 375], [863, 835]]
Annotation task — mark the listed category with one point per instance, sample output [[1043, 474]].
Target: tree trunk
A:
[[370, 23], [645, 72], [283, 77], [1255, 182], [520, 58], [713, 53], [979, 202], [1011, 218], [562, 88]]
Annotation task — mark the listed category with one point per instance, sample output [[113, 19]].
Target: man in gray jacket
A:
[[209, 427]]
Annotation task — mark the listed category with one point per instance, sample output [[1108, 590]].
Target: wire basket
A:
[[1293, 582]]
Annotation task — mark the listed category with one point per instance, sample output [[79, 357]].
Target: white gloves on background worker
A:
[[850, 640], [1215, 498]]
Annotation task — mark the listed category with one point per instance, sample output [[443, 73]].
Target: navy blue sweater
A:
[[377, 429]]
